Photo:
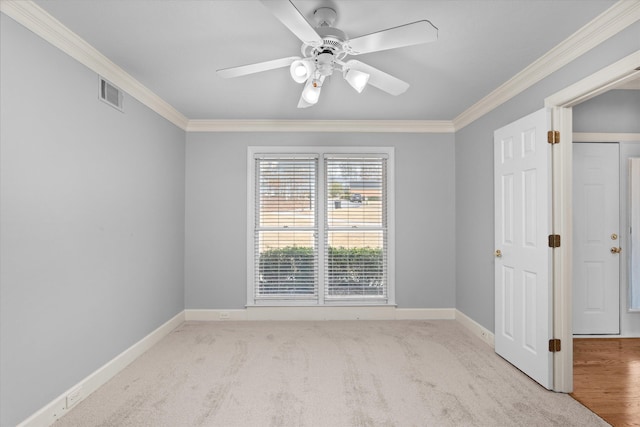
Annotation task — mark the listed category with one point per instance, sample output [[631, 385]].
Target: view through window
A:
[[320, 228]]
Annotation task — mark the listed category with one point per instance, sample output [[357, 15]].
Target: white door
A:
[[596, 222], [522, 163]]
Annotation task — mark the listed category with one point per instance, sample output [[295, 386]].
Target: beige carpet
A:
[[352, 373]]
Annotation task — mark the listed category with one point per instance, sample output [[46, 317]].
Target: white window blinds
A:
[[286, 233], [320, 227], [355, 231]]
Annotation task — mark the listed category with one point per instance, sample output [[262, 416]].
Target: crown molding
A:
[[36, 19], [375, 126], [607, 24], [615, 19]]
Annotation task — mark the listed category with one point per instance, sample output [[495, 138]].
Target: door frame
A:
[[561, 104]]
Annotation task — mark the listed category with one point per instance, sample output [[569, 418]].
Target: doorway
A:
[[561, 104], [596, 238]]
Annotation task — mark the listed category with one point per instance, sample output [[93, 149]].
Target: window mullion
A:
[[321, 215]]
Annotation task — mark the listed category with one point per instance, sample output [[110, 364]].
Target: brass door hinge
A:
[[554, 240], [553, 136], [554, 345]]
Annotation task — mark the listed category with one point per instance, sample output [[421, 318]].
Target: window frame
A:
[[321, 152]]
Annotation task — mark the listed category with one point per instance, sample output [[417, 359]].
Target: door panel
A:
[[596, 283], [522, 267], [507, 302]]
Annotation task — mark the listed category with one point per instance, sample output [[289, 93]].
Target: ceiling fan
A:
[[325, 48]]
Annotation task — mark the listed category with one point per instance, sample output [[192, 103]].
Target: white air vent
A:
[[111, 94]]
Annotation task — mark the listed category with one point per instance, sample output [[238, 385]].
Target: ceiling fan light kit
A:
[[311, 92], [324, 48], [357, 79], [301, 70]]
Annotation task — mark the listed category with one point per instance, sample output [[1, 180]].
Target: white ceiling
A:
[[174, 48]]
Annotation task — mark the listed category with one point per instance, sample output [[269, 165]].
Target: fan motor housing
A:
[[333, 41]]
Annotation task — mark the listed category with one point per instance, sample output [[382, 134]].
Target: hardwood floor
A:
[[606, 378]]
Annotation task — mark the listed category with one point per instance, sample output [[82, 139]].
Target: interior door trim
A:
[[561, 104]]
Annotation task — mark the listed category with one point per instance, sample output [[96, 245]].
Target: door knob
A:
[[498, 253], [615, 250]]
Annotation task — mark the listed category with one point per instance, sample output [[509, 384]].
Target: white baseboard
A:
[[478, 330], [322, 313], [425, 314], [60, 406], [212, 315]]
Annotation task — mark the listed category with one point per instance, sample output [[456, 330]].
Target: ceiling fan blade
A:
[[404, 35], [380, 79], [287, 13], [243, 70]]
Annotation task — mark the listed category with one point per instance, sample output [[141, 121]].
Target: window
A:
[[320, 226], [286, 231], [355, 227]]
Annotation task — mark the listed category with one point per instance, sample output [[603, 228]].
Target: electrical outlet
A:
[[74, 397], [224, 315]]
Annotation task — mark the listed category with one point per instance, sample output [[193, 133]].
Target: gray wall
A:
[[92, 223], [474, 175], [613, 111], [216, 214]]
